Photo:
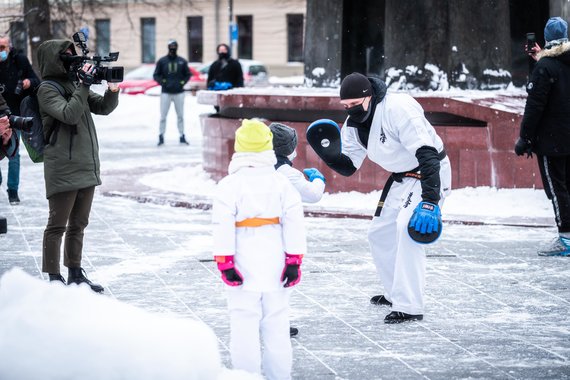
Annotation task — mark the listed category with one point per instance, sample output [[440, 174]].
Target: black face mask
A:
[[69, 60], [358, 114], [223, 55]]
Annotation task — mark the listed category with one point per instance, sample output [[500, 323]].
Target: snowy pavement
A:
[[495, 310]]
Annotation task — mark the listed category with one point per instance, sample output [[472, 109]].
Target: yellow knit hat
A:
[[253, 136]]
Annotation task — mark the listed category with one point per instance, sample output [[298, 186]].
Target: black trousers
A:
[[555, 173], [69, 214]]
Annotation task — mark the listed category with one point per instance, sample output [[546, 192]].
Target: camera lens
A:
[[21, 123]]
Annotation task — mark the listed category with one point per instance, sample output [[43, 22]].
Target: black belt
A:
[[414, 173]]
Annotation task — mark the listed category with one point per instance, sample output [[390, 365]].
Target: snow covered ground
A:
[[495, 309]]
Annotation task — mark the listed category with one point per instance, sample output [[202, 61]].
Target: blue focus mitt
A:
[[425, 224], [324, 137]]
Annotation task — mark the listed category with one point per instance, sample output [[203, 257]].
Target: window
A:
[[59, 29], [103, 37], [295, 38], [19, 36], [245, 37], [195, 44], [148, 35]]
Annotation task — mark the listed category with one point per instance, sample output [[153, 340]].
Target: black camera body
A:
[[530, 42], [112, 74]]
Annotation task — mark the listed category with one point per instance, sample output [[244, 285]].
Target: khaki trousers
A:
[[69, 213]]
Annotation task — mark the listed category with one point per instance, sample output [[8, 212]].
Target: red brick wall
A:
[[480, 156]]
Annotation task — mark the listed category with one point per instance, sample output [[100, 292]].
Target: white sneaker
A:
[[560, 246]]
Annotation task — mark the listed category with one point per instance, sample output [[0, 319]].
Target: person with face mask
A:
[[391, 129], [71, 156], [225, 73], [312, 187], [172, 73], [17, 80]]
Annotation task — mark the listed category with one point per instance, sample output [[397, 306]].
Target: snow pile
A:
[[51, 331], [430, 77]]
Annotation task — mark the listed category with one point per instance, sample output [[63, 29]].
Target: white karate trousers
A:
[[399, 260], [265, 314]]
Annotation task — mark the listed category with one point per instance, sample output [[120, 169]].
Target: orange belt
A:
[[257, 222]]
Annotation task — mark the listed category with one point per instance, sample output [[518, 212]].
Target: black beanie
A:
[[284, 139], [355, 86]]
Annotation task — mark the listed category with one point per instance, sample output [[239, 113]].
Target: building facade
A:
[[270, 31]]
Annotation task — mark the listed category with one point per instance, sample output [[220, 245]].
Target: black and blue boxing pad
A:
[[425, 224], [324, 137]]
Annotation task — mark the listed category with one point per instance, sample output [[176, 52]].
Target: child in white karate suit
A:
[[259, 243]]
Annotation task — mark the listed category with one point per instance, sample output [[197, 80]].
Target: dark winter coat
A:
[[9, 149], [229, 71], [172, 73], [71, 159], [546, 121], [16, 67]]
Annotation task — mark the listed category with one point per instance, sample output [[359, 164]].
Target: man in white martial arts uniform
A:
[[392, 131]]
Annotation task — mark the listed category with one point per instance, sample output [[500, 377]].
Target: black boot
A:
[[160, 140], [399, 317], [13, 197], [380, 300], [183, 140], [77, 276], [56, 277], [293, 331]]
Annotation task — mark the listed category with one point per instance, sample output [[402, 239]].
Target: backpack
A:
[[34, 139]]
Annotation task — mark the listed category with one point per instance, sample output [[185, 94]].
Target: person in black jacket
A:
[[172, 73], [8, 139], [226, 72], [392, 131], [545, 128], [17, 80]]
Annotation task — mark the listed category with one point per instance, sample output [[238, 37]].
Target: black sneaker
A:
[[77, 276], [13, 197], [160, 140], [380, 300], [183, 140], [399, 317], [293, 331], [57, 277]]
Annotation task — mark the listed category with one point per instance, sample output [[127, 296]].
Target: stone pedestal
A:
[[478, 134]]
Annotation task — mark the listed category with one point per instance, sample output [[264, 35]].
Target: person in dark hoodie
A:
[[9, 140], [17, 80], [392, 131], [71, 157], [225, 72], [172, 73], [545, 128]]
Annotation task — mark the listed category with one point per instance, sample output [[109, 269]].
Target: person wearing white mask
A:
[[311, 188], [17, 80]]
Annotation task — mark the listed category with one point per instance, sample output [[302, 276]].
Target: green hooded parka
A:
[[71, 157]]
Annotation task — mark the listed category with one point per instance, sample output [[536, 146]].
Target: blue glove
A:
[[313, 173], [425, 224], [222, 86]]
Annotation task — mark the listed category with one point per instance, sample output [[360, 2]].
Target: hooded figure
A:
[[544, 129], [71, 159], [71, 156]]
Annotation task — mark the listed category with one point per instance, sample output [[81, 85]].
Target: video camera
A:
[[100, 73]]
